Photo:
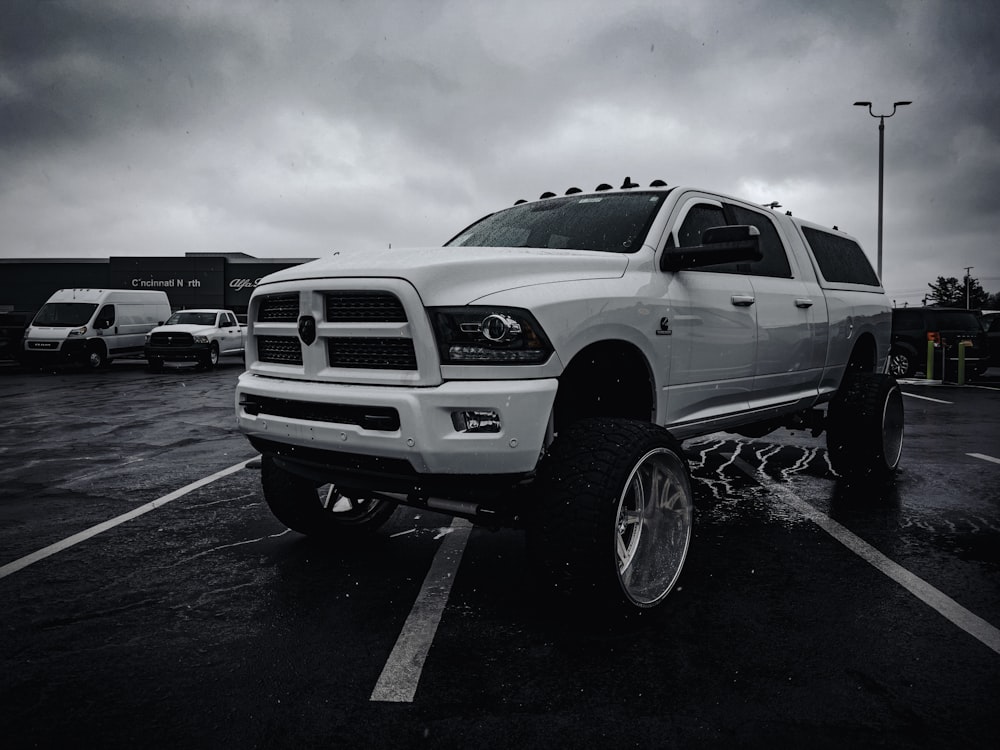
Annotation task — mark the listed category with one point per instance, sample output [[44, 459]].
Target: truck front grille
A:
[[172, 340], [364, 307], [280, 350], [372, 353], [279, 308]]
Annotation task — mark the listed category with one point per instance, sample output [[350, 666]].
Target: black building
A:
[[193, 280]]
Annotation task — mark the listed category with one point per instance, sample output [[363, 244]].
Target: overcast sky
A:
[[292, 129]]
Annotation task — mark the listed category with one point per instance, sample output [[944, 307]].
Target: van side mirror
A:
[[102, 325], [738, 243]]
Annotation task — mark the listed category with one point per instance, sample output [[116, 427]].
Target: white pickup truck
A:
[[200, 336], [542, 368]]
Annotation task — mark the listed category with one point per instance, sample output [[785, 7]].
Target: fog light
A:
[[476, 421]]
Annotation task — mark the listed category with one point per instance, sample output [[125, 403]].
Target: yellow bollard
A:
[[961, 360]]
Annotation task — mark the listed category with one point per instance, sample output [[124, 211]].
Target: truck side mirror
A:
[[738, 243]]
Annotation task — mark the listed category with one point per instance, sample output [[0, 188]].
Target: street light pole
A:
[[881, 162]]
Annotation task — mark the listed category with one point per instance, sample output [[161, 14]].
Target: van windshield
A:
[[64, 314], [192, 319]]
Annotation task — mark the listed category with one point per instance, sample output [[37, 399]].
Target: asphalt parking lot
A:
[[150, 598]]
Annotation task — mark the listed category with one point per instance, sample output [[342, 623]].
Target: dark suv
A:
[[947, 327], [12, 326]]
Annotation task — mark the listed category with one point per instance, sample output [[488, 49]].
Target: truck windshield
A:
[[64, 314], [613, 223], [192, 319]]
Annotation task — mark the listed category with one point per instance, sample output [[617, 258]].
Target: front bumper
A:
[[192, 353], [350, 425], [54, 352]]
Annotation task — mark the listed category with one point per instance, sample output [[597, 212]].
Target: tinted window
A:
[[840, 259], [775, 260], [699, 218], [907, 319], [958, 320], [614, 223]]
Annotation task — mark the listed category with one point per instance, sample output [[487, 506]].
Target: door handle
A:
[[742, 300], [803, 302]]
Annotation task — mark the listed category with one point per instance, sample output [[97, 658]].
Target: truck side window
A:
[[775, 260], [699, 218], [105, 318]]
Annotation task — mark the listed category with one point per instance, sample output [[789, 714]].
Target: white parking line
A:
[[52, 549], [972, 624], [927, 398], [984, 457], [399, 678]]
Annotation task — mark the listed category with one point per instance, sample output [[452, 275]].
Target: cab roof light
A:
[[628, 184], [658, 183]]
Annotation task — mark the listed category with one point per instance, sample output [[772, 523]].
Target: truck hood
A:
[[460, 275], [194, 330]]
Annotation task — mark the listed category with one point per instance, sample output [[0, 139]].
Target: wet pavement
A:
[[201, 621]]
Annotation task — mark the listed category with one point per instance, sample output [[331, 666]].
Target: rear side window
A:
[[840, 259], [903, 319]]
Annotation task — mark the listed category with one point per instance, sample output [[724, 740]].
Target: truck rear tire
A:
[[613, 514], [864, 432], [328, 515]]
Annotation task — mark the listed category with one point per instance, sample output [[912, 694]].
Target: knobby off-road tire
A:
[[328, 515], [864, 432], [613, 514]]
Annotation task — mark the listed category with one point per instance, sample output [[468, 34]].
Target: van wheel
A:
[[613, 515], [864, 430], [329, 515], [210, 360], [97, 357]]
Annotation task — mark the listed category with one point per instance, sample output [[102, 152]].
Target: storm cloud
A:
[[285, 129]]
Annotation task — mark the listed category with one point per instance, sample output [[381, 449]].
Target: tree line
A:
[[949, 291]]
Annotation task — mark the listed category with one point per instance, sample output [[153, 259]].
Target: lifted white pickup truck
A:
[[541, 369]]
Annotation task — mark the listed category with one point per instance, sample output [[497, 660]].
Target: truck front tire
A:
[[328, 515], [613, 514], [211, 357], [864, 431]]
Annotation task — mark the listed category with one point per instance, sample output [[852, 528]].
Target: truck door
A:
[[791, 317], [714, 327]]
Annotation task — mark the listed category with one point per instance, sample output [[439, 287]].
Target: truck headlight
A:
[[201, 339], [489, 336]]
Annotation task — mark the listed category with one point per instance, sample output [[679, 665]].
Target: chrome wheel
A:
[[653, 527]]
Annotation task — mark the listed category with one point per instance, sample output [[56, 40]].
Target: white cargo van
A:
[[92, 326]]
